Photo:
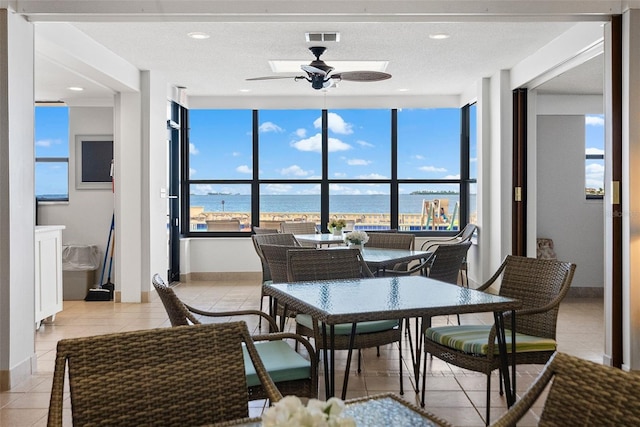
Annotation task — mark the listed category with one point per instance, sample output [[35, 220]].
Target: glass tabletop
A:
[[380, 410], [380, 298]]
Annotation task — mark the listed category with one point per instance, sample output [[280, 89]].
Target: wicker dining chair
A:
[[335, 264], [464, 235], [290, 370], [299, 227], [190, 375], [582, 393], [262, 230], [540, 285], [270, 239], [393, 240]]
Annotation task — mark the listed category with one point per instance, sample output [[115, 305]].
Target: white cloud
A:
[[277, 188], [432, 169], [314, 143], [192, 172], [372, 176], [193, 149], [364, 143], [201, 189], [236, 154], [47, 142], [594, 176], [594, 151], [418, 156], [358, 162], [270, 127], [301, 133], [451, 176], [244, 169], [594, 120], [339, 175], [294, 170], [473, 159], [335, 123]]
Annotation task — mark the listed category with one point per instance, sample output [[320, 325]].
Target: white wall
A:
[[575, 224], [87, 216]]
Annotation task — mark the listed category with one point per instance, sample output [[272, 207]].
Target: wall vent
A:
[[322, 37]]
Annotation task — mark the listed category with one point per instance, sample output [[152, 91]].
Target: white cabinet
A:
[[48, 268]]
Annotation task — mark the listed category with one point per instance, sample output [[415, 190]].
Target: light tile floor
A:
[[452, 393]]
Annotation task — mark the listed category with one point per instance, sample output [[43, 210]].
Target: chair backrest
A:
[[187, 375], [262, 230], [537, 283], [582, 393], [273, 224], [276, 258], [391, 241], [326, 264], [446, 261], [299, 227], [271, 239], [178, 313], [467, 232], [223, 225]]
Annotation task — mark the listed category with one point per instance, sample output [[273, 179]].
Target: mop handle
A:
[[106, 252]]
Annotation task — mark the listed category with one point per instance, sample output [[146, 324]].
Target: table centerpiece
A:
[[336, 226], [290, 412], [356, 239]]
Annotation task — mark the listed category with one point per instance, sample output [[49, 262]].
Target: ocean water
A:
[[379, 203]]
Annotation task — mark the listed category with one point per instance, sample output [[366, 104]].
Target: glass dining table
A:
[[331, 302], [379, 410]]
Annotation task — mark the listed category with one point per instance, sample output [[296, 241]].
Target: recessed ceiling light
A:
[[439, 36], [244, 90], [198, 35], [76, 88], [403, 90]]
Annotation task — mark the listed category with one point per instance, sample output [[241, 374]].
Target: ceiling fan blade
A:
[[271, 78], [362, 76], [313, 70]]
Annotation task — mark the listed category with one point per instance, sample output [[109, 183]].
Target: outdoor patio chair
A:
[[335, 264], [189, 375], [290, 370], [540, 285], [301, 227], [262, 230], [223, 225], [465, 235], [582, 393], [270, 239], [393, 240]]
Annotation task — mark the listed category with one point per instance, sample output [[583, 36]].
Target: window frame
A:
[[325, 182]]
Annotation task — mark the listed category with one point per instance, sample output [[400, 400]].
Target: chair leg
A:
[[378, 349], [400, 354], [488, 399], [500, 381], [359, 360]]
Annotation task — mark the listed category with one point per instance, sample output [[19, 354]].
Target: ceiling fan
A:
[[321, 75]]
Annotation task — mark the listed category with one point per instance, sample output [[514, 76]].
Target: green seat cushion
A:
[[473, 339], [282, 362], [345, 328]]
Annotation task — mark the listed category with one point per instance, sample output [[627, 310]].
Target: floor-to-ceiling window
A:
[[410, 169]]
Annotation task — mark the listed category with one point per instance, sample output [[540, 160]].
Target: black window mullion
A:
[[324, 185], [394, 170], [465, 123], [255, 182]]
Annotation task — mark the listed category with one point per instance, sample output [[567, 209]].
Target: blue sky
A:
[[221, 147], [290, 144]]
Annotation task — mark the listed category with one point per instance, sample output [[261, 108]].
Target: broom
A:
[[103, 293]]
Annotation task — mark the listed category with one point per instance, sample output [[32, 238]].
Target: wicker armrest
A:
[[272, 322]]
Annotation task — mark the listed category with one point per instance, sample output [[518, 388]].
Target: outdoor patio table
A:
[[320, 239], [359, 300]]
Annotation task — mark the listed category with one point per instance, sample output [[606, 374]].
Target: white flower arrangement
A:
[[356, 237], [290, 412]]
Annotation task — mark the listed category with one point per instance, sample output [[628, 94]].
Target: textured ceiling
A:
[[219, 65]]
